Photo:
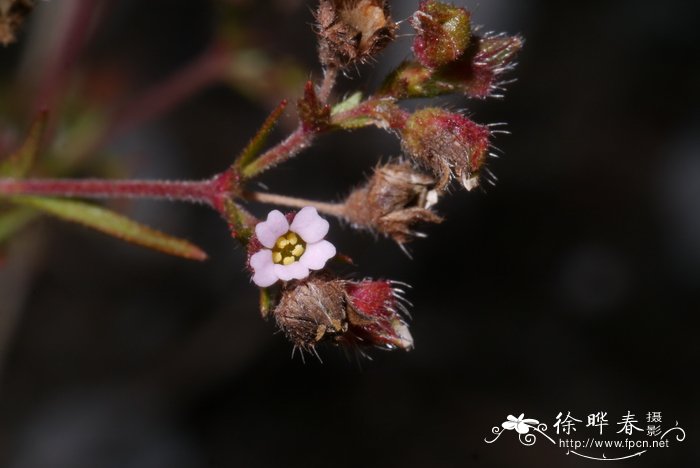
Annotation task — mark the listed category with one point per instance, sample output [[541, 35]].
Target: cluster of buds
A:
[[393, 201], [288, 254], [352, 31], [439, 146], [356, 313]]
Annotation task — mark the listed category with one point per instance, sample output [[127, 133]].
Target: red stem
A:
[[291, 146], [212, 192]]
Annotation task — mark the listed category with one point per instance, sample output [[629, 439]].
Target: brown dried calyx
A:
[[312, 311], [12, 15], [394, 200], [352, 30], [323, 308]]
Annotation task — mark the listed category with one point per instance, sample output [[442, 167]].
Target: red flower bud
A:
[[443, 33], [374, 315], [449, 144], [477, 74]]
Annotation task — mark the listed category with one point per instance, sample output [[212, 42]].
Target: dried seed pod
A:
[[311, 311], [394, 200], [12, 15], [448, 144], [352, 30]]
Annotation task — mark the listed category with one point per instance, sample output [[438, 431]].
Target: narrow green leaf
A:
[[241, 223], [113, 224], [14, 220], [18, 164], [257, 142]]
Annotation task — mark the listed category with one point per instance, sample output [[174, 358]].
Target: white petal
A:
[[292, 271], [316, 255], [263, 267], [511, 418], [309, 225], [269, 231], [531, 421]]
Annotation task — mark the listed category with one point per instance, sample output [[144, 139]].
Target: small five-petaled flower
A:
[[290, 251], [522, 426]]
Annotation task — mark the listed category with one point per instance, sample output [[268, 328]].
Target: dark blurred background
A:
[[573, 285]]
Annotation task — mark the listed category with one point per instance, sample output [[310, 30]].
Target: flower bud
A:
[[449, 144], [477, 74], [352, 313], [443, 33], [394, 199], [352, 30], [373, 315]]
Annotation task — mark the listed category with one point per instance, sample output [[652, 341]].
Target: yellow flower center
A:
[[288, 249]]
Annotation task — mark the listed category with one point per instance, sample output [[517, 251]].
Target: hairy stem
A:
[[332, 209], [291, 146], [296, 141], [330, 75], [212, 192]]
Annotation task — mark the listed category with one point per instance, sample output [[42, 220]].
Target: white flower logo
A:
[[521, 426], [290, 252]]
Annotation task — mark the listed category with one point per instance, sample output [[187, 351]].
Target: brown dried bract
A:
[[394, 200], [352, 30], [12, 15]]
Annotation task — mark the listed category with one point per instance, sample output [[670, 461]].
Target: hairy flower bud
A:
[[477, 74], [356, 313], [449, 144], [395, 198], [374, 317], [443, 33], [352, 30]]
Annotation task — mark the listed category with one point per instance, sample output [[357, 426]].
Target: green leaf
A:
[[350, 103], [241, 223], [18, 164], [113, 224], [14, 220], [256, 143]]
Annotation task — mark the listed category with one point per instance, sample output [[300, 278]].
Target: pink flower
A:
[[290, 251]]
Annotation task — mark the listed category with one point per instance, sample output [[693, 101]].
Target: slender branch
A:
[[332, 209], [210, 192], [291, 146], [297, 140], [330, 75]]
